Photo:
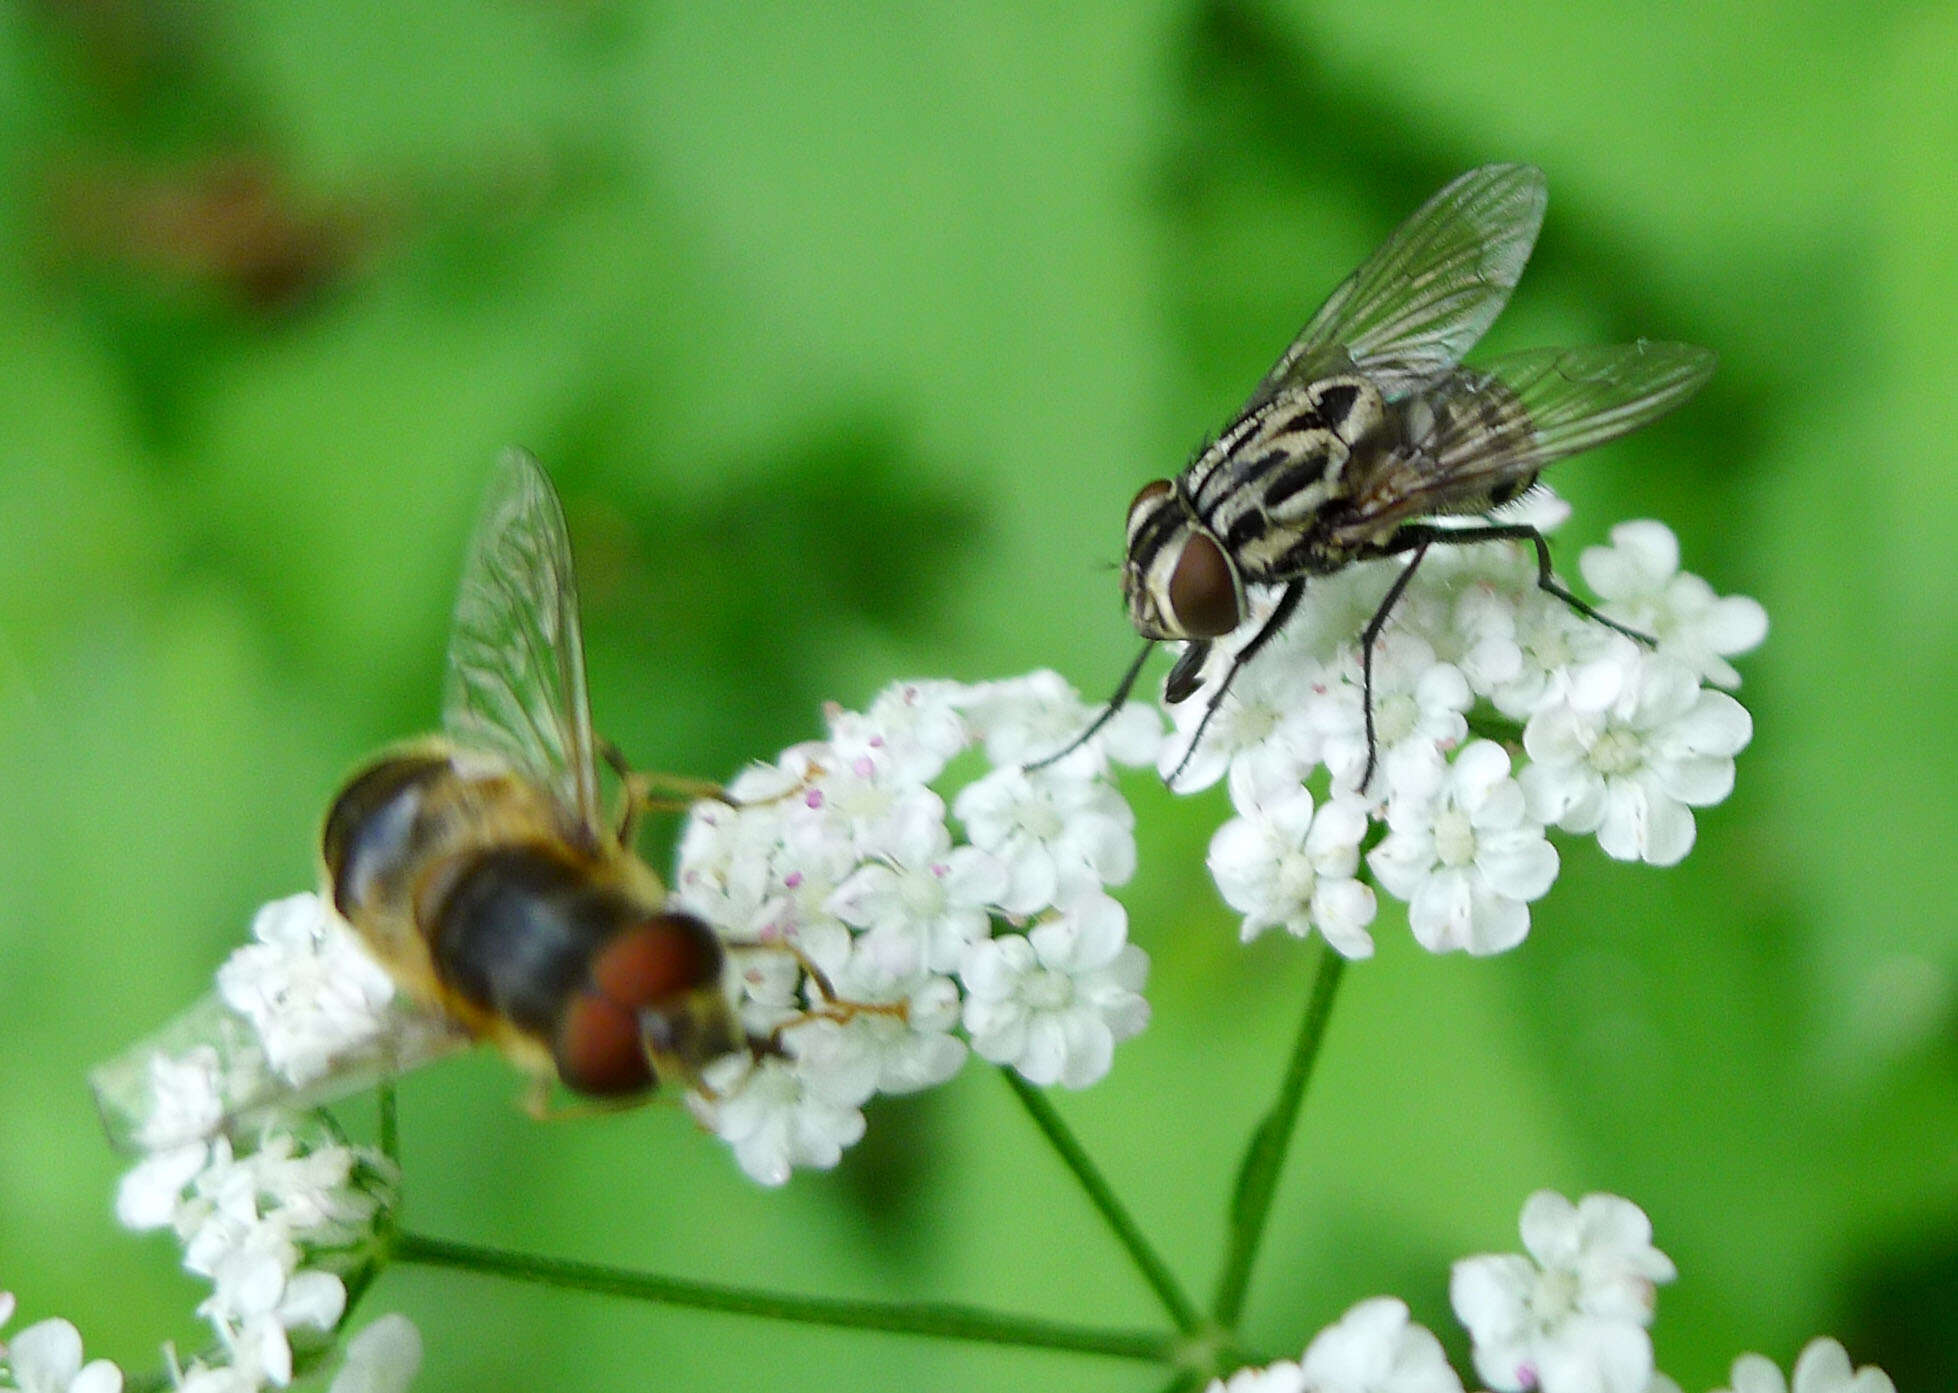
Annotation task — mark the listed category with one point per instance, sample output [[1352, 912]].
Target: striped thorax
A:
[[1254, 506]]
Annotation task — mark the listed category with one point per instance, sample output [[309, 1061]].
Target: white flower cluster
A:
[[269, 1205], [46, 1357], [883, 945], [274, 1226], [1596, 734], [929, 928], [1571, 1317], [302, 1014]]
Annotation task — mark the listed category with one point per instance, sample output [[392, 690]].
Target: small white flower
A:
[[1057, 836], [247, 1259], [1527, 648], [1418, 706], [919, 723], [1639, 580], [926, 903], [310, 1188], [1284, 866], [308, 986], [46, 1357], [776, 1116], [1054, 1002], [1026, 719], [815, 857], [1262, 715], [1823, 1367], [383, 1358], [1572, 1317], [1630, 751], [726, 852], [1467, 858], [904, 1053], [187, 1097], [860, 795], [255, 1304], [148, 1194], [1376, 1348]]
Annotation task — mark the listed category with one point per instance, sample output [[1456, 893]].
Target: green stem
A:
[[1154, 1270], [939, 1319], [1489, 725], [1264, 1155], [390, 1123]]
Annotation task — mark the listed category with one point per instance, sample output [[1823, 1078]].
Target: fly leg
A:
[[1282, 611], [1419, 546], [1421, 534], [653, 793], [1417, 537], [1122, 690], [832, 1006]]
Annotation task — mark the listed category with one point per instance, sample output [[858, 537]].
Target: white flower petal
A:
[[383, 1358]]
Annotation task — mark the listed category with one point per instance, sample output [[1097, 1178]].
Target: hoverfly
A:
[[479, 868], [1369, 425]]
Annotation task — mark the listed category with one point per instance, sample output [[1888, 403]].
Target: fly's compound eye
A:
[[1146, 495], [1203, 590]]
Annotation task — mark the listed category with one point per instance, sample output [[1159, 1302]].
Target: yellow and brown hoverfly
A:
[[479, 865], [1369, 425], [481, 870]]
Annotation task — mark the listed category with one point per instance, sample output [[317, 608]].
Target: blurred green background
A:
[[848, 332]]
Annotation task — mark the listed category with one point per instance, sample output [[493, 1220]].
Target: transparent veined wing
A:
[[516, 671], [301, 1016], [1479, 428], [211, 1051], [1429, 293]]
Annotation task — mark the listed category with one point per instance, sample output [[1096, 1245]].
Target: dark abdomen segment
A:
[[594, 975], [516, 932]]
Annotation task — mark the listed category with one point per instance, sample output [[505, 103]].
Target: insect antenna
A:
[[1122, 691]]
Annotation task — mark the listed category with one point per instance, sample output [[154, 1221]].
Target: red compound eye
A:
[[1203, 590], [600, 1046], [598, 1049], [665, 957]]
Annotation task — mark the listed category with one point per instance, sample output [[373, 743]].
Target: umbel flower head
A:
[[1572, 1317], [1499, 714], [983, 924], [877, 934]]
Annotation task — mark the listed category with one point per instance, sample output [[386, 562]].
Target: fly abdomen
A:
[[379, 830], [516, 931], [604, 982]]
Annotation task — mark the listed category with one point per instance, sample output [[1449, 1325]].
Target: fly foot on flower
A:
[[1595, 734]]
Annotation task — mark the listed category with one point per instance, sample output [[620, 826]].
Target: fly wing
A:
[[516, 678], [1429, 293], [207, 1071], [1477, 430]]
